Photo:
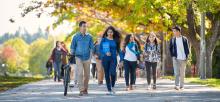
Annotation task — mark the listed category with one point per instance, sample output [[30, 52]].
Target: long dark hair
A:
[[127, 40], [155, 40], [116, 36]]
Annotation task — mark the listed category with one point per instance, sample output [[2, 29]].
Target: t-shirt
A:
[[180, 48]]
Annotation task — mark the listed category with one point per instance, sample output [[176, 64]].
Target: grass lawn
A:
[[212, 82], [12, 82]]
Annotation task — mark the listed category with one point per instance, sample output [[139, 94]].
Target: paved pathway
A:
[[49, 91]]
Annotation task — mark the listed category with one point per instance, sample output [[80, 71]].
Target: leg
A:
[[100, 71], [93, 70], [132, 72], [80, 74], [148, 69], [76, 74], [113, 67], [86, 66], [106, 65], [176, 71], [182, 73], [154, 69], [126, 65]]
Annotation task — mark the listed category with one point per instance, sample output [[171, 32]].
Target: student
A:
[[132, 51], [151, 57], [81, 47], [179, 50], [56, 56], [100, 70], [109, 48]]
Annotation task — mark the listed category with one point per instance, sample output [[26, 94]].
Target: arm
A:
[[91, 45], [73, 46]]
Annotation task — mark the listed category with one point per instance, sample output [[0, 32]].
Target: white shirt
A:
[[129, 55], [180, 48]]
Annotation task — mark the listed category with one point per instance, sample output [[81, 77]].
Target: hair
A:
[[155, 40], [64, 45], [177, 28], [127, 40], [116, 36], [81, 23], [57, 43]]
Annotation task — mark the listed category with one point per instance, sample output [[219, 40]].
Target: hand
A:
[[96, 56], [138, 61], [108, 54]]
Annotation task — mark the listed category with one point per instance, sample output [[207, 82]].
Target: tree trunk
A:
[[202, 60], [209, 55]]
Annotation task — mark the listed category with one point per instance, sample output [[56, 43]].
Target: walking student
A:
[[81, 47], [179, 50], [151, 56], [132, 53], [100, 70], [109, 48]]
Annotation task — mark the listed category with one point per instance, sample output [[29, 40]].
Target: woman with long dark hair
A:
[[56, 57], [109, 48], [132, 52], [151, 57]]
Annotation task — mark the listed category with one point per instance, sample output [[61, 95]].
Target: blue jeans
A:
[[110, 72], [57, 68], [130, 69]]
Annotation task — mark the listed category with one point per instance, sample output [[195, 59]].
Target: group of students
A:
[[106, 50]]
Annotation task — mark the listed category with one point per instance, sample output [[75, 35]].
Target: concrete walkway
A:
[[49, 91]]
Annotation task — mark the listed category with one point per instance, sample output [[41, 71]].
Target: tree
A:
[[20, 59], [40, 51]]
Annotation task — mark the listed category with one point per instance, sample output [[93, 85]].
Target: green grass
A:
[[212, 82], [12, 82]]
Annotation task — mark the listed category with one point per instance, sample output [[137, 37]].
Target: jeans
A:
[[110, 72], [150, 65], [179, 71], [130, 70], [57, 68]]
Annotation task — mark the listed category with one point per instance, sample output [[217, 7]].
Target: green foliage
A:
[[40, 51], [18, 62]]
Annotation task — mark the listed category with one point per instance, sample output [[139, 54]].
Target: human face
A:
[[110, 33], [132, 38], [59, 45], [152, 38], [176, 33], [83, 28]]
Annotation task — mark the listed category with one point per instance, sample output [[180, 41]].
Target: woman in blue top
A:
[[109, 48], [132, 51]]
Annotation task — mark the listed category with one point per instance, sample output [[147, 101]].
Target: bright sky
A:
[[10, 9]]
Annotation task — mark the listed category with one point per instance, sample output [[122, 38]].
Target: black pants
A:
[[94, 71], [62, 71], [130, 70], [150, 65]]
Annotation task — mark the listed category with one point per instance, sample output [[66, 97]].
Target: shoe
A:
[[154, 87], [181, 88], [81, 93], [85, 92], [113, 90], [176, 87], [109, 93], [130, 87], [127, 88], [148, 87]]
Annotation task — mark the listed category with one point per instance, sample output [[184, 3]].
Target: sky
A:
[[10, 9]]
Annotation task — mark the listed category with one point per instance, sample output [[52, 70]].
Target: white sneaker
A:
[[109, 93], [148, 87], [113, 90]]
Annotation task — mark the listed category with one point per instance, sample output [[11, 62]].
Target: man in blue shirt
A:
[[81, 47]]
